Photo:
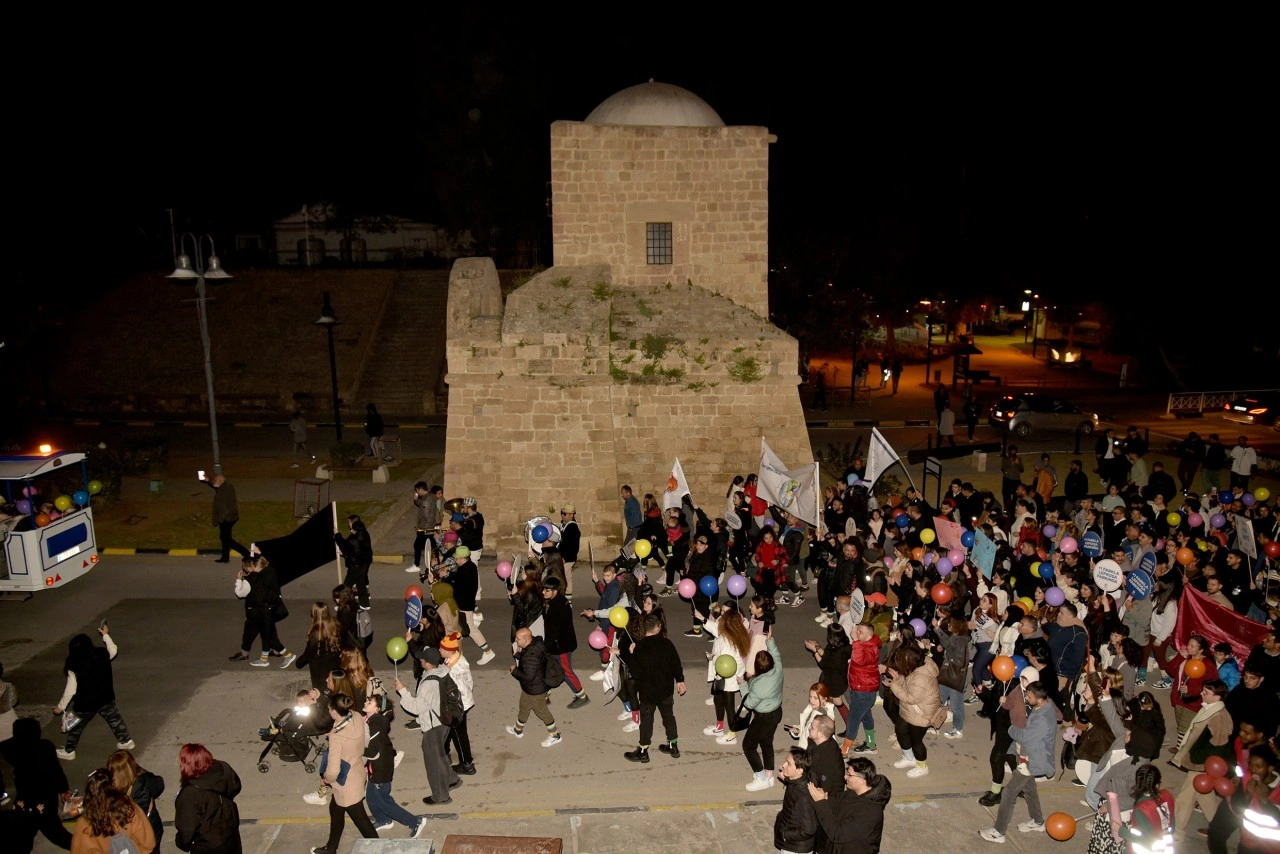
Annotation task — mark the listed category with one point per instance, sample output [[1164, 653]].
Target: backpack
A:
[[553, 673], [364, 624], [451, 711]]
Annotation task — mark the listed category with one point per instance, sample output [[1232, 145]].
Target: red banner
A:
[[1200, 615]]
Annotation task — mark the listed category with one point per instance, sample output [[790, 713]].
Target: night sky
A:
[[1084, 165]]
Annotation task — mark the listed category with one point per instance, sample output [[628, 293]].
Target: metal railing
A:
[[1199, 401]]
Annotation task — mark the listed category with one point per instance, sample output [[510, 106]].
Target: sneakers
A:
[[413, 724], [624, 715], [695, 632], [316, 799], [1079, 784], [992, 835], [631, 726], [714, 729], [294, 466], [239, 656], [825, 621], [672, 750], [413, 567], [518, 733], [973, 700], [421, 826], [666, 592], [727, 737], [953, 734], [760, 780], [865, 749], [797, 602], [579, 702], [918, 771], [1032, 826], [598, 676], [821, 617], [783, 600], [1164, 684], [487, 657], [288, 659], [468, 768], [126, 745], [260, 661], [711, 701], [640, 754], [68, 755], [395, 763], [384, 826], [905, 762]]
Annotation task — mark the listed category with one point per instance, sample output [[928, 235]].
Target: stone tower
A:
[[648, 339]]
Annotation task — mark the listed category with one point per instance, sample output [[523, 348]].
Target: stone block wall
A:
[[712, 184]]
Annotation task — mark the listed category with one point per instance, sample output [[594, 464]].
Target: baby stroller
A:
[[293, 737]]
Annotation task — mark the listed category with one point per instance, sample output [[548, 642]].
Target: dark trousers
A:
[[570, 678], [726, 703], [1240, 480], [702, 603], [767, 585], [757, 744], [229, 542], [357, 578], [260, 624], [911, 737], [109, 713], [419, 548], [999, 757], [22, 825], [667, 709], [1225, 822], [826, 595], [1008, 491], [460, 741], [359, 818], [440, 776]]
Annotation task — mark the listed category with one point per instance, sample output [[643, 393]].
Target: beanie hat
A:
[[451, 643], [450, 536], [457, 517], [462, 551]]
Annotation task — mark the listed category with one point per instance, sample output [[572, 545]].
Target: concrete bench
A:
[[381, 474], [977, 377]]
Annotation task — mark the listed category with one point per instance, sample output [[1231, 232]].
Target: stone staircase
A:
[[402, 375]]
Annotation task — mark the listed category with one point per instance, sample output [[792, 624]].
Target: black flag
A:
[[309, 547]]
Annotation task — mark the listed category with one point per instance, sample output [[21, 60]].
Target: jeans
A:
[[1018, 784], [110, 714], [955, 701], [384, 808], [861, 704]]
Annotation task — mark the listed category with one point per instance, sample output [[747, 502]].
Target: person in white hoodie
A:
[[460, 671], [732, 639]]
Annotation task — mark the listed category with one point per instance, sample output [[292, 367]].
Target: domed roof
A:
[[655, 104]]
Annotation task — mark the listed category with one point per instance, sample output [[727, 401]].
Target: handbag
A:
[[742, 717], [952, 673], [70, 720], [279, 610], [717, 685]]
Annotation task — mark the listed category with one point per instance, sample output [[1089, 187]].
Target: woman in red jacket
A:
[[771, 565], [864, 686]]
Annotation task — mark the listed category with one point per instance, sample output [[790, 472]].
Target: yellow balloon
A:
[[1173, 519], [643, 547], [927, 536], [619, 617], [1027, 605], [1262, 493]]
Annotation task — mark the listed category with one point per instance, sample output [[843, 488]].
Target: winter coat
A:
[[146, 788], [206, 818], [380, 754], [656, 666], [346, 744], [853, 823], [357, 549], [917, 694], [834, 669], [720, 646], [864, 665], [320, 662], [138, 830], [797, 822], [531, 668], [38, 777], [1037, 739], [763, 693], [557, 626]]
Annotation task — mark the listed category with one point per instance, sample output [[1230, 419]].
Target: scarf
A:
[[1207, 711]]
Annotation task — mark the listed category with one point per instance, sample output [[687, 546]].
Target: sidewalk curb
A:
[[388, 558]]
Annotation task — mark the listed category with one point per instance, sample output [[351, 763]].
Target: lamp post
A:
[[1037, 314], [328, 320], [928, 347], [185, 271]]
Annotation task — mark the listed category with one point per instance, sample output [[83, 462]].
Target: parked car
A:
[[1021, 414], [1259, 408]]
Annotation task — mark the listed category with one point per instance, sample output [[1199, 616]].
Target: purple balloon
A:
[[1217, 520], [768, 521], [1054, 597], [918, 626], [944, 566], [928, 558], [737, 585], [1247, 499], [24, 507], [1050, 531], [1195, 520]]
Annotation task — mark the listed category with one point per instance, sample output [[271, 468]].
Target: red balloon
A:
[[1060, 826], [898, 511], [411, 591], [1194, 668], [1224, 786], [1203, 783], [1215, 766], [1272, 550], [941, 593]]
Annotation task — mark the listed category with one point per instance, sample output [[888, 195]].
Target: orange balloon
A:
[[1203, 783], [42, 519], [1060, 826], [916, 554], [1186, 557], [1003, 668], [1225, 786], [1194, 668], [941, 593], [1215, 766]]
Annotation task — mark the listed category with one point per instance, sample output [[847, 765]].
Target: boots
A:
[[670, 749], [640, 754]]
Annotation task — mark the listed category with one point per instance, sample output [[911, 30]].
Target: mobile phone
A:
[[200, 474], [103, 624]]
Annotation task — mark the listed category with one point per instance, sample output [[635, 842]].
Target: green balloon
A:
[[95, 486], [726, 667], [397, 648]]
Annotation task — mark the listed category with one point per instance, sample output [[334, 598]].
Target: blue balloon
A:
[[1046, 570], [967, 539], [1020, 664], [903, 521], [541, 534], [708, 585], [81, 498]]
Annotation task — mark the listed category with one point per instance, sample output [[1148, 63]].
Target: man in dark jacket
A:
[[561, 638], [848, 568], [796, 826], [702, 564], [357, 552], [38, 779], [570, 543], [825, 762], [853, 820], [466, 584], [659, 675], [1075, 488], [530, 670], [226, 512]]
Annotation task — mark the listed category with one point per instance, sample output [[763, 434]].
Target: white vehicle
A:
[[34, 556]]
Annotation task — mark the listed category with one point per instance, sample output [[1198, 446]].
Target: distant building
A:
[[313, 237]]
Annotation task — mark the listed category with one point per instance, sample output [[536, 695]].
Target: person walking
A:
[[374, 429], [344, 772], [226, 512], [460, 672], [561, 638], [425, 703], [969, 409], [1244, 460], [380, 754], [430, 506], [1216, 460], [913, 678], [1037, 743], [257, 585], [466, 585], [796, 826], [570, 544], [298, 428], [90, 690], [655, 665], [530, 670], [632, 517], [947, 426], [205, 816], [762, 694], [357, 553]]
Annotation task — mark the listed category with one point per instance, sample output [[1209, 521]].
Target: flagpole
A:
[[337, 552], [817, 497]]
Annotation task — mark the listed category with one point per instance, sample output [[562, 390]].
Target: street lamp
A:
[[186, 271], [1037, 314], [329, 320]]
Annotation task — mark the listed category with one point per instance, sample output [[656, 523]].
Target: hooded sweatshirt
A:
[[205, 814]]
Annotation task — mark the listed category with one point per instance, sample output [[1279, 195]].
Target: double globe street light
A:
[[200, 271]]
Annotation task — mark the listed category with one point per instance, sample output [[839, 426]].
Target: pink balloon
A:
[[1195, 520], [504, 569], [598, 639], [687, 588], [956, 556], [1068, 545]]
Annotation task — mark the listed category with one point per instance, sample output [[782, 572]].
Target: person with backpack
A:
[[205, 816], [110, 822], [659, 677], [429, 702], [380, 754], [536, 671], [460, 672]]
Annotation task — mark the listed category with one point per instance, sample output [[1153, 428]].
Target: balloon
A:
[[737, 585], [1203, 783], [1225, 786], [1185, 556], [927, 536], [95, 486], [62, 502], [1194, 668], [1217, 520], [687, 588], [1174, 519], [1068, 545], [1054, 597], [897, 512], [397, 648], [598, 639], [1042, 554], [928, 558], [1262, 493], [81, 498], [1060, 826], [967, 539], [1026, 604], [917, 553], [956, 556], [945, 566], [1160, 544], [411, 591], [42, 519], [643, 548], [1247, 499], [1215, 766], [24, 507], [1003, 668], [708, 586], [1195, 520], [541, 534], [504, 569], [726, 667], [940, 592], [1046, 570], [1272, 549], [619, 617], [918, 626], [902, 520], [1050, 531], [1020, 664], [768, 521]]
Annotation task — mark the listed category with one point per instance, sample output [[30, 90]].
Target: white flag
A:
[[795, 491], [677, 487], [880, 456]]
